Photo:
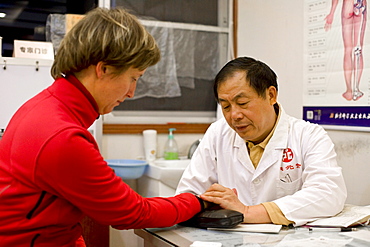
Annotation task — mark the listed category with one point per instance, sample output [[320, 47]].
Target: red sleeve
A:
[[71, 167]]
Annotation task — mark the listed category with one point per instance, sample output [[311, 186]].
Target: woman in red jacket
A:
[[51, 171]]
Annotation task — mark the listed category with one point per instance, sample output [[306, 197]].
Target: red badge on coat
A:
[[287, 155]]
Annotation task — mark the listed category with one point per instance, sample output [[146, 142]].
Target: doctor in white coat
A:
[[259, 161]]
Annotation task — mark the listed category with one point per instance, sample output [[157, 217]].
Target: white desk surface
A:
[[185, 236]]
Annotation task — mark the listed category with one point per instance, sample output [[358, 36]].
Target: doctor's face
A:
[[249, 114]]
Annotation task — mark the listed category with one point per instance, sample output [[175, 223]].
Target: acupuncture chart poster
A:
[[336, 63]]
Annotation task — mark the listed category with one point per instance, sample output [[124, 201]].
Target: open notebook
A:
[[351, 215]]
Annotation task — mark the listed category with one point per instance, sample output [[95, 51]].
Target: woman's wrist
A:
[[201, 202]]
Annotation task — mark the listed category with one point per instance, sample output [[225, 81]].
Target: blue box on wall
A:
[[336, 115]]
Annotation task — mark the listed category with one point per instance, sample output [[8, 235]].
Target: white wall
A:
[[272, 32], [130, 146], [353, 156]]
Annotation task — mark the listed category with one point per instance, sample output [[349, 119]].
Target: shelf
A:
[[181, 128]]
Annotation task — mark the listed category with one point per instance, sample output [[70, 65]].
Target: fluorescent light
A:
[[2, 15]]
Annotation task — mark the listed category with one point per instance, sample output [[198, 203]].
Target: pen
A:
[[328, 229]]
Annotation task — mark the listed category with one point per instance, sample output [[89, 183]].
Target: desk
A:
[[185, 236]]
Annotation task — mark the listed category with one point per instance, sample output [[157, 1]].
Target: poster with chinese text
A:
[[336, 63]]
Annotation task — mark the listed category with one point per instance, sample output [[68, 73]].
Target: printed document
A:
[[350, 216]]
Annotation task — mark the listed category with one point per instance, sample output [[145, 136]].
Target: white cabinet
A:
[[23, 78]]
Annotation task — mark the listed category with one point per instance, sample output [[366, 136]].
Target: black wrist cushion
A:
[[219, 218]]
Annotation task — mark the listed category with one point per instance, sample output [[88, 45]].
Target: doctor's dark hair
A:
[[259, 76], [112, 36]]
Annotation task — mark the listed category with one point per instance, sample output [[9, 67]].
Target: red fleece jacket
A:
[[52, 174]]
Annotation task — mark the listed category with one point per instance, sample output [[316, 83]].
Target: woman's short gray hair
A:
[[112, 36]]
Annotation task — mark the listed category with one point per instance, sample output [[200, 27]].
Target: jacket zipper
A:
[[34, 239], [29, 215]]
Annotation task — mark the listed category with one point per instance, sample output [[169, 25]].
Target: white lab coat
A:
[[298, 169]]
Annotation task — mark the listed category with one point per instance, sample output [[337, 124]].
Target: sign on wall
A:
[[33, 49], [337, 63]]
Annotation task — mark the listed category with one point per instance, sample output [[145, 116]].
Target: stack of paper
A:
[[265, 228]]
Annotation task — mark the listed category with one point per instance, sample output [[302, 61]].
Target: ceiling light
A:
[[2, 15]]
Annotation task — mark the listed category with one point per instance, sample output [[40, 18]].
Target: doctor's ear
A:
[[272, 94]]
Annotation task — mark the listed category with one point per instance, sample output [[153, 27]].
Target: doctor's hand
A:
[[226, 198]]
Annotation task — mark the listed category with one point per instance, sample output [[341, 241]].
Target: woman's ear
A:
[[100, 69]]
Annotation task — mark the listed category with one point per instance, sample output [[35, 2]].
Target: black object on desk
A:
[[219, 218]]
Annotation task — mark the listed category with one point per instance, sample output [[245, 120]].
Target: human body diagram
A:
[[353, 20]]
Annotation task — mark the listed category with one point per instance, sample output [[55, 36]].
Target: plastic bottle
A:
[[170, 149]]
